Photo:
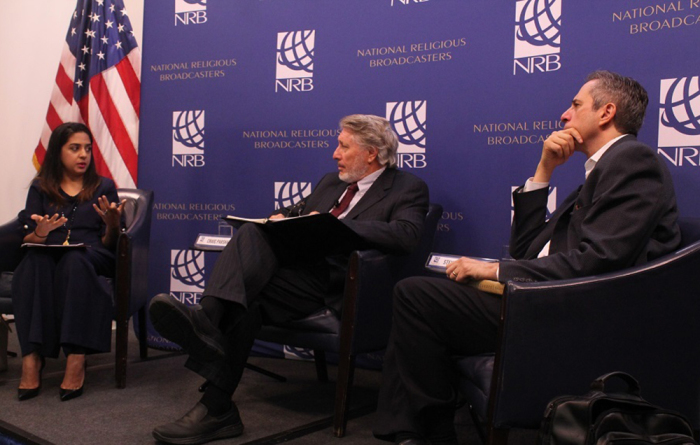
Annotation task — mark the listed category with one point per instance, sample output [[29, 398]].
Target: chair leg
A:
[[4, 330], [477, 424], [346, 372], [122, 345], [321, 368], [143, 334], [265, 372]]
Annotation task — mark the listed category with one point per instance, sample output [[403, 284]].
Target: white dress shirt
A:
[[362, 186]]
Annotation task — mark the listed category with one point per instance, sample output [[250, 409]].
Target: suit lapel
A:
[[329, 199], [548, 234], [561, 225], [375, 193], [558, 226]]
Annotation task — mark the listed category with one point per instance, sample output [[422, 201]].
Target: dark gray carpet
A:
[[160, 390]]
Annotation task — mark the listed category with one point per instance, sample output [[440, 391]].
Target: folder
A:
[[437, 262], [308, 236]]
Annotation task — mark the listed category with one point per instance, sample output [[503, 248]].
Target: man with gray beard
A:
[[259, 280]]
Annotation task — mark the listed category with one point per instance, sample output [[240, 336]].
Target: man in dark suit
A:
[[623, 215], [259, 279]]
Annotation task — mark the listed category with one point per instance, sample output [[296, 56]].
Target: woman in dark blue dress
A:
[[58, 300]]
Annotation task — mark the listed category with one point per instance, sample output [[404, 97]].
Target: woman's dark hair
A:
[[51, 171]]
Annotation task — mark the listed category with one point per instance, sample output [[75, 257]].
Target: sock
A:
[[216, 400]]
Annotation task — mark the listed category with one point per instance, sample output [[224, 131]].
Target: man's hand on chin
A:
[[556, 150], [465, 269]]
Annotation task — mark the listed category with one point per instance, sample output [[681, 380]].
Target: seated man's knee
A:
[[249, 233], [408, 290], [248, 229]]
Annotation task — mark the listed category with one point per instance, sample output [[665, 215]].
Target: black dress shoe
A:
[[412, 442], [187, 326], [197, 426], [68, 394], [26, 394]]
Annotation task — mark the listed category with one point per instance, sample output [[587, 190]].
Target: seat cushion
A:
[[325, 320]]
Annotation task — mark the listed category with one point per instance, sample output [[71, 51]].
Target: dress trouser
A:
[[267, 285], [59, 300], [433, 320]]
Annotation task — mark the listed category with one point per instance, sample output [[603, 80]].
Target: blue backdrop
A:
[[241, 99]]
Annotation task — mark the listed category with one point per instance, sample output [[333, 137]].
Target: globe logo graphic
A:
[[408, 121], [290, 193], [190, 6], [538, 25], [188, 269], [188, 129], [681, 106], [296, 51]]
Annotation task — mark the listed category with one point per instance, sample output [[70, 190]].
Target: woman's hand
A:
[[110, 213], [46, 224]]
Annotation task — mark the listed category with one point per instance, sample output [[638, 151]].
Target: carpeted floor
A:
[[160, 390]]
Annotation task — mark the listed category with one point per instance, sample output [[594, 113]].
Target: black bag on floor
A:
[[599, 418]]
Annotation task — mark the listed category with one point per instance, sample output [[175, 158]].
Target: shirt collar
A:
[[368, 180], [593, 160]]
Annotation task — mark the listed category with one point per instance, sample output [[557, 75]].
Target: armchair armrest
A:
[[367, 301], [556, 337], [132, 251], [11, 236], [369, 286]]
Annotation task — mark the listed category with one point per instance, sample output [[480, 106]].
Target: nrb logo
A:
[[406, 2], [408, 119], [187, 275], [679, 121], [551, 203], [537, 36], [290, 193], [295, 61], [188, 138], [190, 12]]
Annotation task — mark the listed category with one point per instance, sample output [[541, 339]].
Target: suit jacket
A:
[[390, 215], [624, 215]]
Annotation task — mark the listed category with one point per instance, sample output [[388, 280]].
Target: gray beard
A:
[[353, 175]]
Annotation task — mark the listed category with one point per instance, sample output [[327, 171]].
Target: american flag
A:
[[98, 83]]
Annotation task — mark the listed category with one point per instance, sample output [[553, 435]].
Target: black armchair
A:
[[556, 337], [131, 276], [366, 314]]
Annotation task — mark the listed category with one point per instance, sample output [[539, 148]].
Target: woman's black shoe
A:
[[67, 394], [26, 394]]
